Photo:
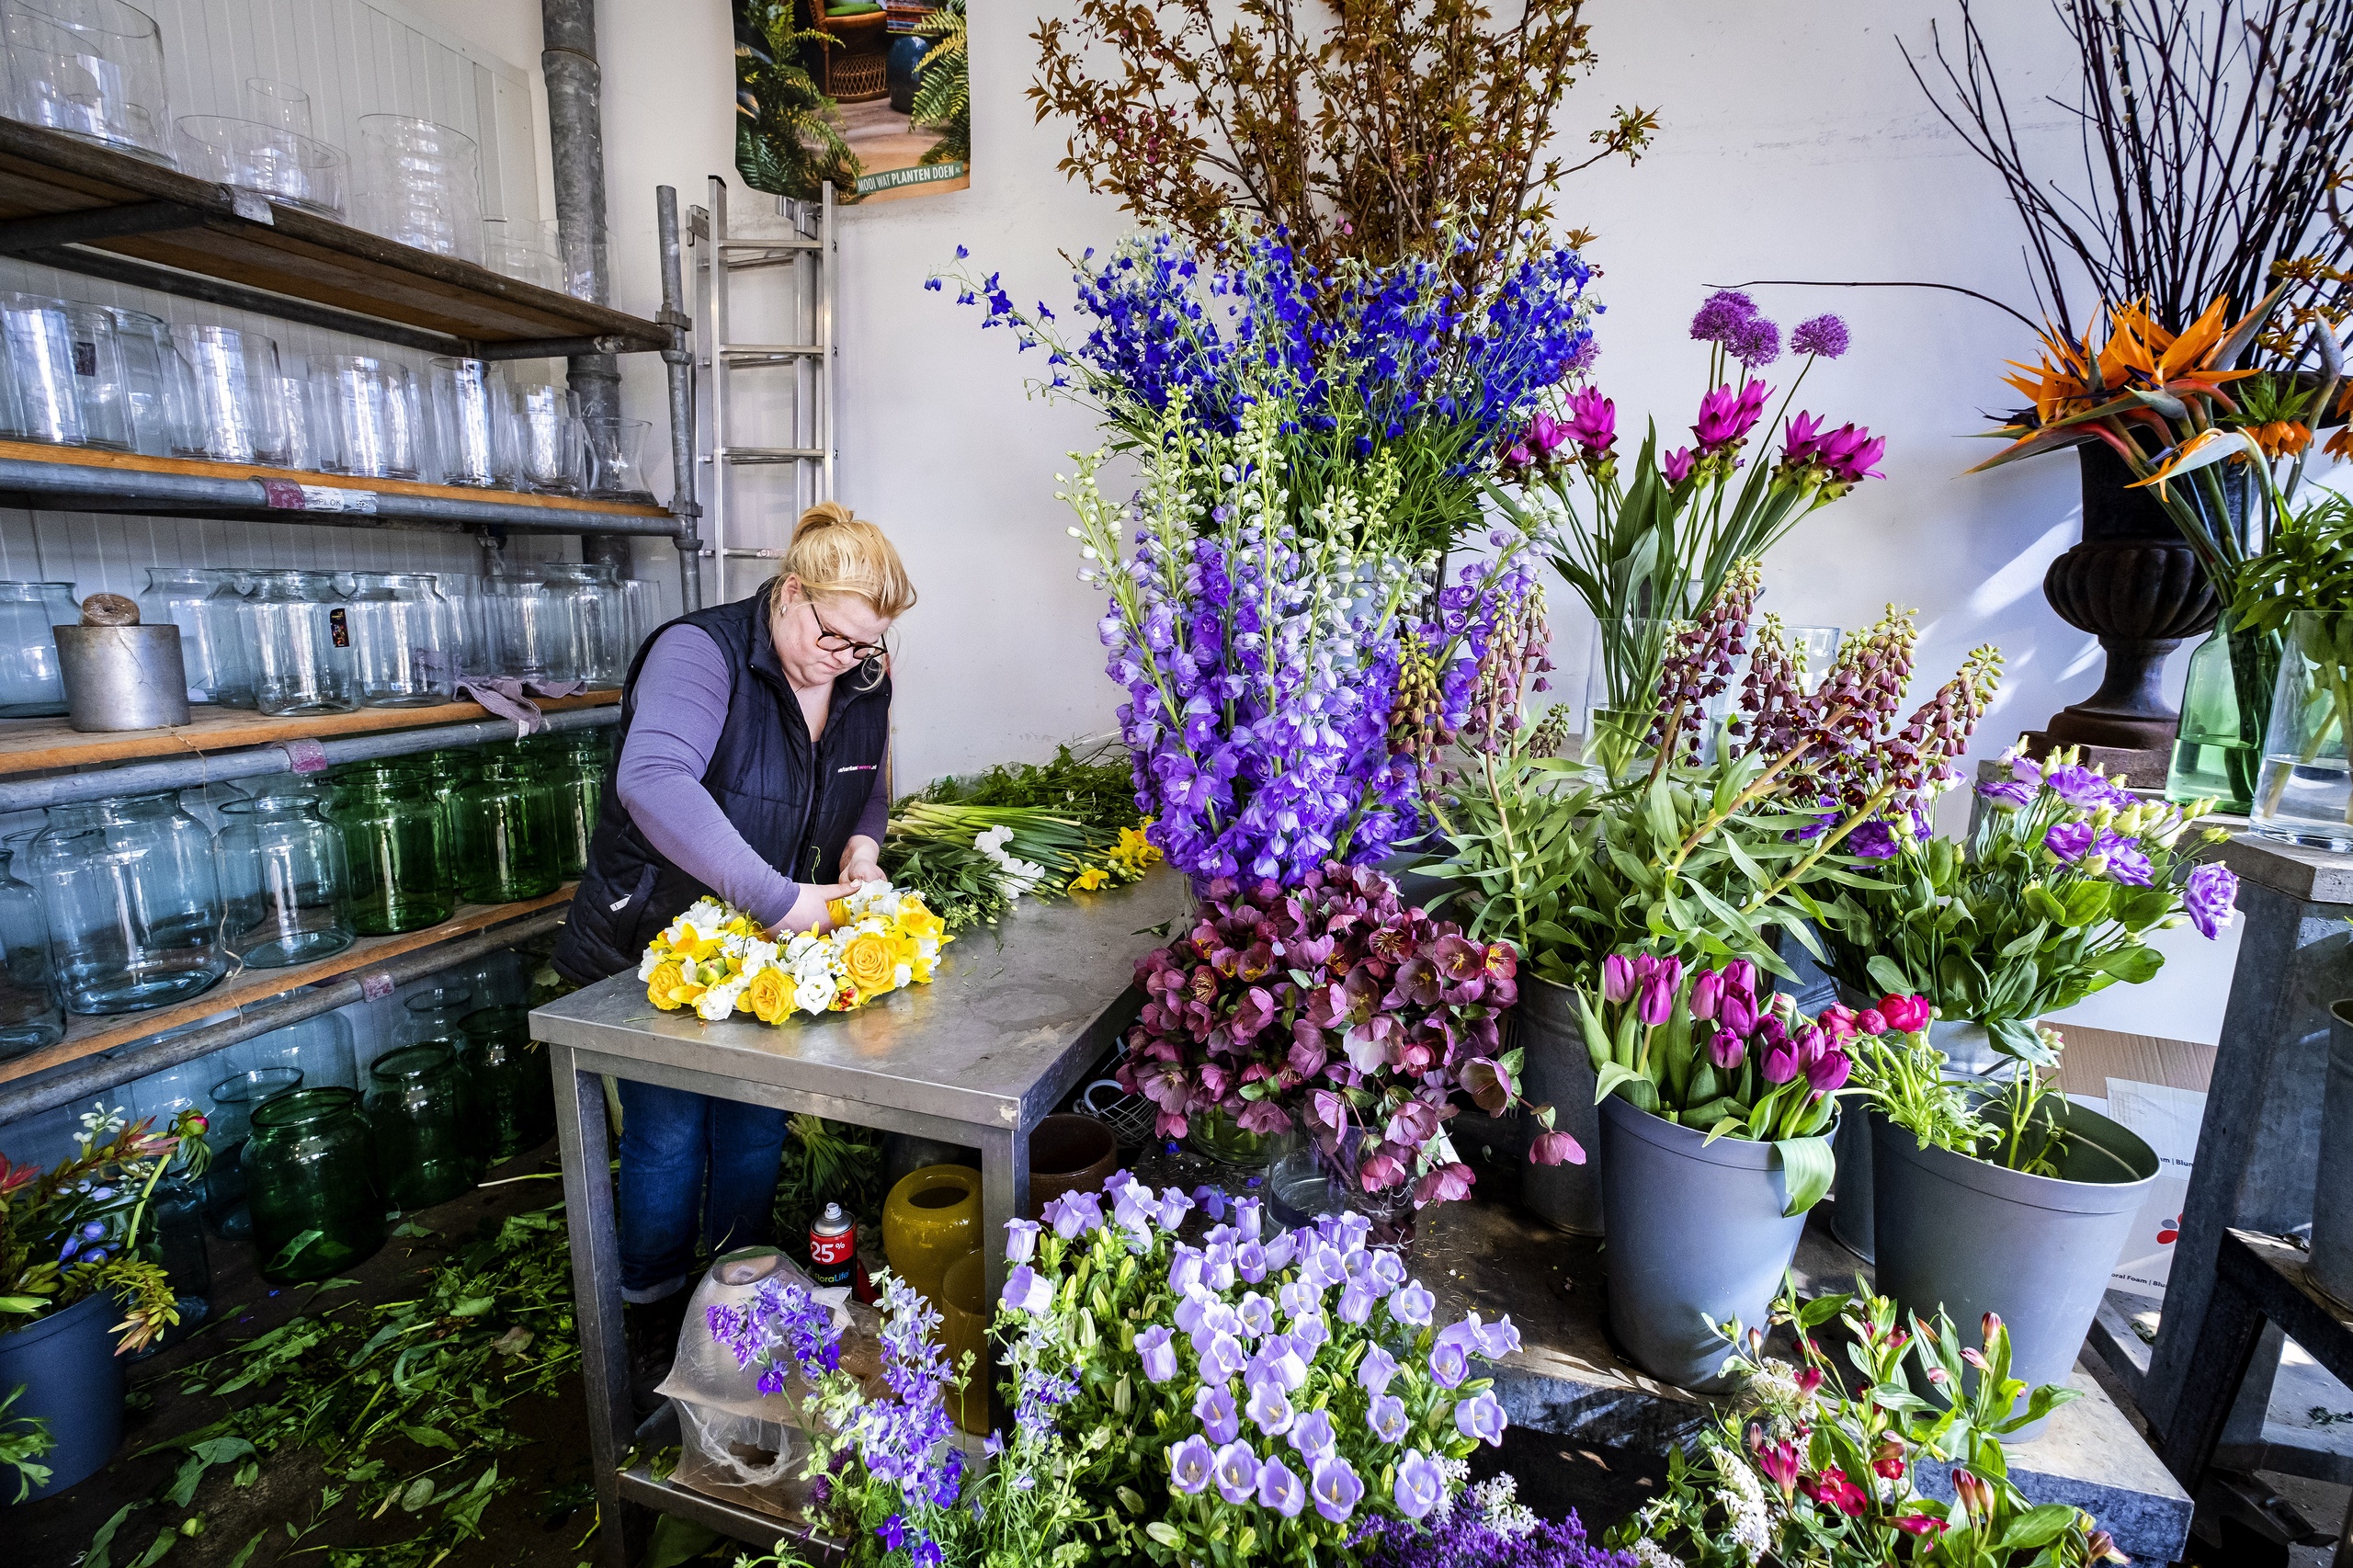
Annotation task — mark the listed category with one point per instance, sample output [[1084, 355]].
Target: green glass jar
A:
[[394, 849], [575, 774], [510, 1100], [417, 1111], [503, 834], [433, 1013], [310, 1185]]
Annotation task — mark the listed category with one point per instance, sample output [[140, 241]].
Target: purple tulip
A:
[[1659, 984], [1028, 1291], [1387, 1417], [1020, 1241], [1738, 1013], [1413, 1304], [1827, 1073], [1481, 1417], [1312, 1436], [1269, 1408], [1707, 992], [1375, 1370], [1335, 1489], [1191, 1465], [1213, 1408], [1279, 1490], [1725, 1050], [1236, 1470], [1159, 1356], [1617, 979], [1740, 977], [1421, 1485], [1780, 1063]]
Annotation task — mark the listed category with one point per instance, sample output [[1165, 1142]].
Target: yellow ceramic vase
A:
[[931, 1219], [964, 1330]]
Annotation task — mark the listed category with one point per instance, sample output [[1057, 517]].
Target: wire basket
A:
[[1129, 1116]]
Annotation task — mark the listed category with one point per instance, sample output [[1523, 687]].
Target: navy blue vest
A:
[[795, 803]]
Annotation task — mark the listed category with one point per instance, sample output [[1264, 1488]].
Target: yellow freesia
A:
[[1089, 879]]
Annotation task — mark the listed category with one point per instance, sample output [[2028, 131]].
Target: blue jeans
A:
[[687, 1157]]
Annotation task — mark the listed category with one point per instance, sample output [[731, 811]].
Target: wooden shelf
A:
[[86, 1037], [196, 468], [37, 745], [88, 209]]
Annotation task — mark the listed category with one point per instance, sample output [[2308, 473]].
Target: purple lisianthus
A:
[[1375, 1370], [1480, 1416], [1236, 1471], [1213, 1408], [1158, 1355], [2006, 793], [2084, 789], [1873, 840], [1824, 336], [1336, 1488], [1279, 1490], [1421, 1485], [2126, 862], [2209, 898], [1386, 1416], [1029, 1291], [1191, 1463], [2069, 840]]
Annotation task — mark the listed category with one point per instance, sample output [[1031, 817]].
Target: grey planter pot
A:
[[1966, 1237], [2332, 1259], [1969, 1053], [72, 1378], [1696, 1236], [1556, 1069]]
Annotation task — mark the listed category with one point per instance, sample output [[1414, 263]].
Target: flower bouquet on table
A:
[[715, 959], [1797, 1469], [1649, 546], [1334, 1008], [2051, 897]]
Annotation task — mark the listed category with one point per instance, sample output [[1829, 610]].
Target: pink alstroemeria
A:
[[1778, 1460], [1727, 416]]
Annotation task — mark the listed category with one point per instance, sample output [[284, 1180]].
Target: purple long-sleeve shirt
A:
[[680, 704]]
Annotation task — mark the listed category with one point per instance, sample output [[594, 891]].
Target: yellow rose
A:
[[870, 965], [838, 911], [660, 985], [769, 996]]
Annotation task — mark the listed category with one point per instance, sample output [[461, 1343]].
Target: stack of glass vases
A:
[[133, 903], [92, 69], [503, 834], [416, 1115], [419, 185], [397, 863], [283, 878], [311, 1184]]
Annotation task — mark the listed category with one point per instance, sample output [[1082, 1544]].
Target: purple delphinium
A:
[[2209, 898], [1822, 336], [779, 1316]]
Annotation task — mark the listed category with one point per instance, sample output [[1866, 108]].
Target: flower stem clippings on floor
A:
[[1798, 1468]]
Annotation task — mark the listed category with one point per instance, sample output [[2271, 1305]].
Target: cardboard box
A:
[[2157, 1088]]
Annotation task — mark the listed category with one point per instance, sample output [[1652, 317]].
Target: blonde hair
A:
[[834, 550]]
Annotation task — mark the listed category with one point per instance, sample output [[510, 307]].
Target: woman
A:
[[750, 769]]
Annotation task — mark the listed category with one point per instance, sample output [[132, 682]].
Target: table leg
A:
[[1005, 1195], [2226, 1342], [596, 1294]]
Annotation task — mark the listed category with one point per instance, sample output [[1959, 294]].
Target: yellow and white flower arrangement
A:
[[715, 959]]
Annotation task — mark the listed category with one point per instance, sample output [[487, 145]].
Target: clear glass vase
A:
[[133, 903], [417, 1114], [403, 640], [2225, 707], [31, 685], [30, 1018], [299, 629], [283, 878], [2304, 794]]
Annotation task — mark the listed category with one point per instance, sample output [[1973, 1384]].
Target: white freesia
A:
[[718, 1002]]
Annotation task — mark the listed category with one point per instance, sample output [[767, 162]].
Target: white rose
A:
[[903, 975], [718, 1002], [758, 955], [815, 994]]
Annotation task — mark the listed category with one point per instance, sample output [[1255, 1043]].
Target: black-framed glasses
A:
[[833, 642]]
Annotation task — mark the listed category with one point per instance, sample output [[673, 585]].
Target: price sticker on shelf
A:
[[304, 755], [286, 495], [375, 987]]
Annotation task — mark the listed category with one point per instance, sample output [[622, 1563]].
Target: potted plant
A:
[[1696, 858], [1715, 1110], [2009, 1199], [1798, 1469], [2053, 897], [77, 1252]]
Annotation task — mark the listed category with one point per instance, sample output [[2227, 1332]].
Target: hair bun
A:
[[824, 515]]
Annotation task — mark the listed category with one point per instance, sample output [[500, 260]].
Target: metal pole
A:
[[80, 1081], [679, 360], [576, 151], [715, 306], [183, 773], [828, 277]]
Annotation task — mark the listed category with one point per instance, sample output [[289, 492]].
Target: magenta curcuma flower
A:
[[1821, 337], [1593, 420], [1677, 465], [1727, 416]]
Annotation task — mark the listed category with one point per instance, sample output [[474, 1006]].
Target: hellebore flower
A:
[[1281, 1490], [1555, 1149], [2209, 897], [1213, 1408], [1191, 1465], [1420, 1485], [1480, 1416], [1236, 1469], [1335, 1489], [1159, 1358]]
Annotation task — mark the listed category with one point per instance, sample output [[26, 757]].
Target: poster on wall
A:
[[871, 95]]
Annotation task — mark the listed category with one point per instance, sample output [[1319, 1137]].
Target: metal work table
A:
[[1013, 1017]]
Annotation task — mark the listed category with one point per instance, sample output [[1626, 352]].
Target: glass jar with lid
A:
[[416, 1115], [298, 629], [510, 1098], [133, 903], [30, 1015], [590, 621], [396, 864], [310, 1171], [503, 834], [404, 642], [31, 685], [282, 878]]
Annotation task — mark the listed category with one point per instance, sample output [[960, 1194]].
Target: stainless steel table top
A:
[[990, 1043]]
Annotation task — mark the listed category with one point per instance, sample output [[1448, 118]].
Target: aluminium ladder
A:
[[808, 251]]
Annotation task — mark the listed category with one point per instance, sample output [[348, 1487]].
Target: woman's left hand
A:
[[862, 862]]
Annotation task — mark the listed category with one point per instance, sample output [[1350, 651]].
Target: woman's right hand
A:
[[808, 911]]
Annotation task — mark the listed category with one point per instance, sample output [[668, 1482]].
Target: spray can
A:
[[833, 1246]]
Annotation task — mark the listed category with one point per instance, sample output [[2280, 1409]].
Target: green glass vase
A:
[[392, 844], [2225, 705], [310, 1185], [417, 1111], [510, 1098], [503, 834]]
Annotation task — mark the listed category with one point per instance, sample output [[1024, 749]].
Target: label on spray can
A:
[[833, 1246]]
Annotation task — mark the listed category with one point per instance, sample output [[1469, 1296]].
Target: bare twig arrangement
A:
[[2214, 135]]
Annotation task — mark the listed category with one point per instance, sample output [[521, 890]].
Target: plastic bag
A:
[[734, 1442]]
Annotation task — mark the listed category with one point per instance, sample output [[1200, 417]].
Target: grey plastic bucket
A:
[[66, 1364], [1697, 1236], [1970, 1237], [1969, 1054], [1556, 1069], [2331, 1267]]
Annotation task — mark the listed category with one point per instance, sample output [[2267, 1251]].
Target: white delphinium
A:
[[1650, 1554]]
